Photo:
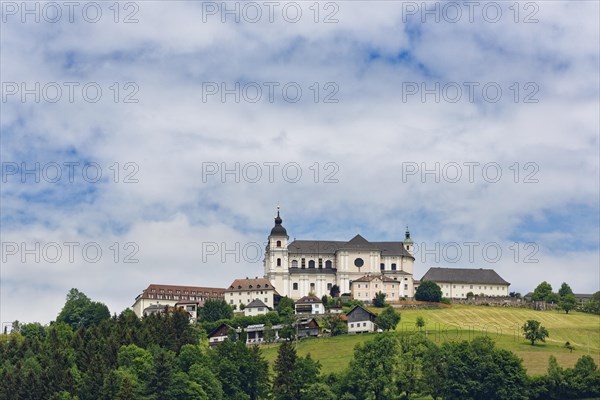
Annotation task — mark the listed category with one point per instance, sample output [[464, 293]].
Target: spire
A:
[[278, 230], [407, 235]]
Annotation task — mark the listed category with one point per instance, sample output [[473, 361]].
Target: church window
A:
[[279, 243], [295, 286], [320, 263], [405, 286], [393, 266], [311, 264], [329, 286], [279, 262], [406, 247], [359, 262], [294, 263], [381, 266], [312, 286], [303, 263], [328, 264]]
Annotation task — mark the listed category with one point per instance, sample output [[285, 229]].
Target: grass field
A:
[[466, 322]]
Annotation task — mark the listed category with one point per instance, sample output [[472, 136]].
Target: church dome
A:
[[278, 229]]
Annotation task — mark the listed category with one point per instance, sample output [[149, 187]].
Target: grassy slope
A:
[[467, 322]]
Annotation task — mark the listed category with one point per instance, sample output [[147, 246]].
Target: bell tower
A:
[[276, 257], [408, 243]]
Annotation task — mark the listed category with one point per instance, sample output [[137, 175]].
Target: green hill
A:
[[466, 322]]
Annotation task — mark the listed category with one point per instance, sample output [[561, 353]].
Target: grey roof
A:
[[356, 243], [309, 300], [256, 303], [463, 275]]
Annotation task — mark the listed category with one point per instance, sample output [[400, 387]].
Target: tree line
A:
[[87, 354]]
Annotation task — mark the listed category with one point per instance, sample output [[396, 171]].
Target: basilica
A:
[[315, 266]]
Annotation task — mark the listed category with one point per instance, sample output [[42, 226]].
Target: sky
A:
[[151, 141]]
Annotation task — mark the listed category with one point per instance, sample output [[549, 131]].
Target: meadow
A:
[[460, 322]]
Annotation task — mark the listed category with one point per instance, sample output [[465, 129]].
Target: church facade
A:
[[315, 266]]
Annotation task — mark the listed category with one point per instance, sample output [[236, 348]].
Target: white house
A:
[[309, 305], [243, 291], [171, 295], [456, 283], [361, 320], [256, 307]]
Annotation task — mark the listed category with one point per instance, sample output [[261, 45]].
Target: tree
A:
[[379, 300], [593, 305], [269, 333], [569, 346], [204, 377], [336, 325], [474, 370], [541, 292], [215, 310], [420, 323], [371, 374], [567, 303], [470, 295], [285, 386], [564, 290], [79, 310], [285, 307], [429, 291], [388, 319], [334, 291], [534, 331]]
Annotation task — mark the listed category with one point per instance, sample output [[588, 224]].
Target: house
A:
[[192, 307], [256, 307], [307, 327], [361, 320], [309, 305], [219, 334], [170, 295], [456, 283], [155, 309], [366, 287], [255, 334], [300, 267], [336, 309], [243, 291]]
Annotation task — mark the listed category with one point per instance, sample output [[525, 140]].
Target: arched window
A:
[[382, 266], [279, 262], [311, 263], [328, 264], [393, 267], [294, 263], [295, 286], [279, 243]]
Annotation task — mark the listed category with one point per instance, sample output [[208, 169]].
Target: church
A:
[[315, 266]]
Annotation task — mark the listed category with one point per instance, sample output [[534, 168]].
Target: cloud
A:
[[353, 133]]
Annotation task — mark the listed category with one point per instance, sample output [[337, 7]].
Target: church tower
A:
[[408, 243], [276, 257]]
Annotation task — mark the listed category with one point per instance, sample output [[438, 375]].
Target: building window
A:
[[351, 325], [328, 264], [266, 300], [295, 286], [405, 286], [393, 266], [279, 243], [312, 286], [294, 263], [453, 286], [382, 266], [230, 301], [160, 296], [151, 296], [320, 263], [303, 263], [279, 262], [364, 324], [311, 264], [471, 286], [359, 285], [366, 285], [329, 286]]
